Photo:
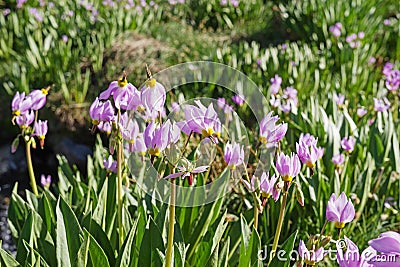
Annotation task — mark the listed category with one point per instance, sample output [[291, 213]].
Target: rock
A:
[[74, 152], [12, 166]]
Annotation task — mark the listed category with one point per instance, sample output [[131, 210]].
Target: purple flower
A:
[[311, 257], [336, 29], [40, 130], [361, 111], [201, 120], [350, 256], [101, 111], [275, 101], [275, 84], [25, 119], [64, 38], [105, 127], [308, 151], [387, 68], [223, 2], [221, 102], [348, 143], [38, 98], [268, 186], [153, 96], [338, 159], [270, 133], [6, 12], [340, 210], [129, 130], [235, 3], [288, 166], [339, 99], [20, 3], [157, 139], [45, 181], [36, 13], [290, 93], [238, 99], [393, 80], [20, 104], [371, 60], [110, 164], [233, 155], [175, 107], [123, 94], [139, 145], [387, 244], [187, 171], [361, 35], [381, 105], [386, 22]]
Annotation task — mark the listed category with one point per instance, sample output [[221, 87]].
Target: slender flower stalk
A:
[[280, 220], [170, 246], [119, 183], [30, 167]]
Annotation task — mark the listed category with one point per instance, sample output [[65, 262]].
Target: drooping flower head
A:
[[201, 120], [288, 166], [338, 159], [20, 104], [45, 181], [25, 119], [238, 99], [105, 127], [270, 133], [125, 95], [38, 98], [339, 99], [268, 186], [276, 82], [153, 95], [348, 143], [40, 130], [101, 111], [158, 138], [311, 257], [308, 151], [361, 111], [381, 105], [139, 146], [340, 210], [233, 155], [110, 164], [129, 130]]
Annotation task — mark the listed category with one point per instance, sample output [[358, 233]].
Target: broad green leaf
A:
[[126, 253], [287, 246], [151, 243]]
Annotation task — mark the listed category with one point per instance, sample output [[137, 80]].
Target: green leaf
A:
[[126, 252], [250, 245], [151, 243], [6, 259], [287, 246], [97, 255], [68, 234]]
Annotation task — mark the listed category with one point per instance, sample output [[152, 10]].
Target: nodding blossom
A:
[[238, 99], [339, 99], [38, 98], [40, 130], [350, 256], [338, 159], [276, 83], [311, 257], [201, 120], [288, 166], [266, 186], [270, 133], [393, 80], [361, 111], [340, 210], [25, 119], [125, 95], [387, 244], [308, 151], [20, 104], [158, 138], [101, 111], [153, 97], [110, 164], [348, 143], [45, 181], [129, 130], [336, 29], [234, 155], [381, 105]]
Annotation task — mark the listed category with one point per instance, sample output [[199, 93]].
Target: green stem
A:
[[255, 214], [119, 185], [30, 168], [280, 222], [169, 254]]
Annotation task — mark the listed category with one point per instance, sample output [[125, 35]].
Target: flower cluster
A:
[[336, 29], [24, 109], [287, 100], [354, 40], [308, 151], [392, 77]]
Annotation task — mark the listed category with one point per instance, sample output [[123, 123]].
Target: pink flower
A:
[[123, 94], [45, 181], [348, 143], [187, 171], [311, 257], [153, 96], [238, 99], [38, 98], [233, 155], [288, 166], [40, 130], [308, 151], [361, 111], [340, 210], [275, 84], [110, 164], [338, 159], [387, 244], [381, 105], [336, 29], [270, 133]]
